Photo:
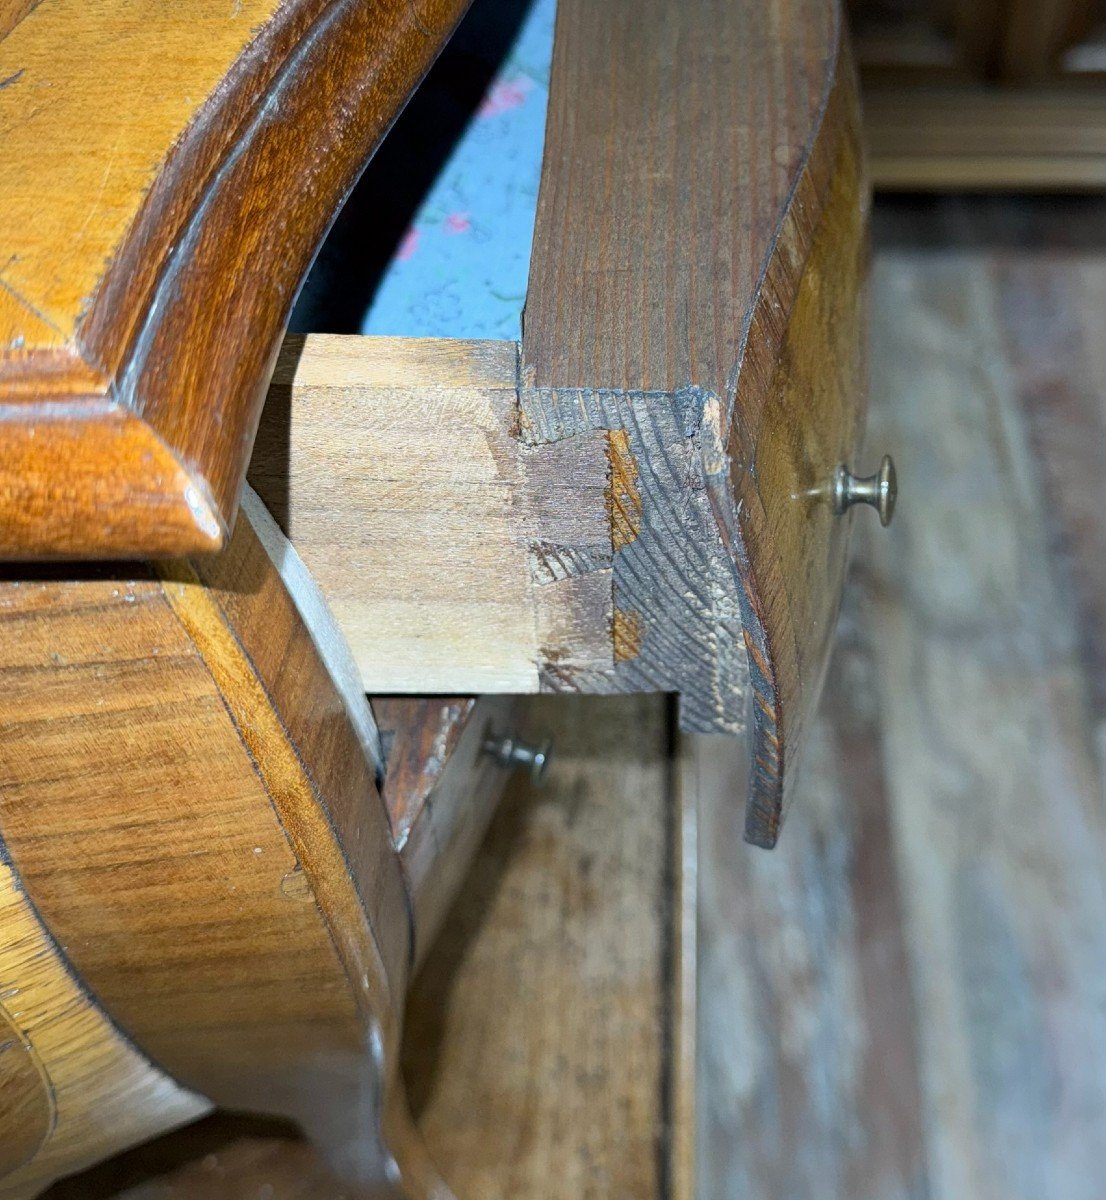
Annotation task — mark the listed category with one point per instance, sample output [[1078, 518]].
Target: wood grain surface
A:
[[72, 1088], [693, 153], [950, 138], [116, 727], [148, 261], [784, 447], [219, 866], [538, 1045], [418, 737], [638, 497], [441, 788], [549, 1032], [393, 464], [906, 998]]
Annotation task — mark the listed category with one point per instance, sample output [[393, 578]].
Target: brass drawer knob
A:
[[879, 490], [511, 752]]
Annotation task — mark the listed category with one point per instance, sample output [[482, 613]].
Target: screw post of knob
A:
[[879, 490], [512, 752]]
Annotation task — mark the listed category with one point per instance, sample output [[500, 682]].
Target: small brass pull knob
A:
[[879, 490], [511, 752]]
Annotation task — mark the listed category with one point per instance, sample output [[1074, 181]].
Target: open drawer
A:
[[640, 494]]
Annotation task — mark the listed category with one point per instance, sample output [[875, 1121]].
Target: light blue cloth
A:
[[461, 267], [435, 239]]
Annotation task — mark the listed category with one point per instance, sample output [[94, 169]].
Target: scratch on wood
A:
[[623, 497], [12, 78], [551, 562]]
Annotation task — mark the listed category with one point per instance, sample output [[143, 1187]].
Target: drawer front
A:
[[787, 445]]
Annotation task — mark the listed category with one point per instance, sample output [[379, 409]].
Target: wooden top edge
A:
[[176, 277], [41, 376], [320, 360], [95, 482], [420, 733], [146, 71]]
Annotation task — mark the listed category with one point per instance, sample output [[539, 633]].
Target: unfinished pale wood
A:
[[72, 1089], [394, 467]]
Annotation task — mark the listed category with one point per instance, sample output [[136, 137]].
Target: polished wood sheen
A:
[[72, 1088], [169, 171], [550, 1036], [218, 865]]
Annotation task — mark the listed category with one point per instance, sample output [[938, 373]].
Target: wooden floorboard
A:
[[909, 998]]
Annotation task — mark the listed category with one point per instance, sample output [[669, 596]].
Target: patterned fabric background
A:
[[435, 240]]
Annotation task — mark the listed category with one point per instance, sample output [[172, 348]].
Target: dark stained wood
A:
[[225, 1157], [975, 27], [667, 169], [940, 138], [1034, 35], [441, 788], [211, 1153], [418, 736], [695, 154], [151, 256]]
